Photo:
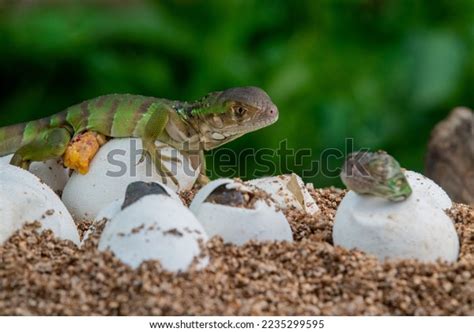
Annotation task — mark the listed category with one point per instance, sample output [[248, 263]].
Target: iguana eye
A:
[[239, 110]]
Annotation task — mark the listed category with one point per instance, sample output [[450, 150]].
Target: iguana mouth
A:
[[249, 128], [246, 129]]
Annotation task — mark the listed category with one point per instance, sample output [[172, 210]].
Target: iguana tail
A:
[[15, 136], [11, 138]]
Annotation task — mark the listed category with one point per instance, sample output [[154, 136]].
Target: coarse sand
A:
[[41, 275]]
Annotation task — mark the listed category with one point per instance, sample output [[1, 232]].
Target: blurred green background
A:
[[380, 72]]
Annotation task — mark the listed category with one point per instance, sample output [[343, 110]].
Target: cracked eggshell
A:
[[425, 189], [51, 172], [288, 191], [24, 198], [239, 225], [115, 166], [156, 227], [416, 228]]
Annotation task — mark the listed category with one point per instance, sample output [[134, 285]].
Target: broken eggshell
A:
[[116, 165], [220, 207], [24, 198], [51, 172], [416, 228], [155, 227], [288, 191]]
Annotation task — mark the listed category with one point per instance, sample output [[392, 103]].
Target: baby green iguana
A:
[[190, 127], [376, 174]]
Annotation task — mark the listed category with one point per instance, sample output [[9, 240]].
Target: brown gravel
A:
[[40, 275]]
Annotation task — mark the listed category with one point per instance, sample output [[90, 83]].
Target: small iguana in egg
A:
[[375, 173], [77, 133]]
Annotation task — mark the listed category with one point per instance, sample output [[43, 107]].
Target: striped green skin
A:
[[118, 115]]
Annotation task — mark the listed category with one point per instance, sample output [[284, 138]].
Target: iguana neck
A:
[[193, 117]]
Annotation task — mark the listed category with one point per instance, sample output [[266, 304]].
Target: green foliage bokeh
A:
[[380, 72]]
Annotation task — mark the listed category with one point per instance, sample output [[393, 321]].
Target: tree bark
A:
[[450, 157]]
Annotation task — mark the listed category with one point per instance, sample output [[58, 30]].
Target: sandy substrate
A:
[[40, 275]]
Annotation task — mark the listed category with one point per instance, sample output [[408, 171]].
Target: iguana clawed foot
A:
[[157, 158], [162, 157]]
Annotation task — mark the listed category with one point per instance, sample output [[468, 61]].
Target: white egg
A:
[[51, 172], [156, 227], [116, 165], [238, 225], [416, 228], [24, 198], [288, 191]]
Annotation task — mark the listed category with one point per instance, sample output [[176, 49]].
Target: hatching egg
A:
[[239, 213], [416, 228], [288, 191]]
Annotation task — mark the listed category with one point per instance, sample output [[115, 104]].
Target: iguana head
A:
[[375, 173], [226, 115]]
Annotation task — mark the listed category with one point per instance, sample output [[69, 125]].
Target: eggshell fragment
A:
[[116, 165], [156, 227], [288, 191], [238, 225], [51, 172], [416, 228], [24, 198]]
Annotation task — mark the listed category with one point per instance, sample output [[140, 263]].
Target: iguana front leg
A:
[[50, 144], [164, 158], [202, 179], [153, 129]]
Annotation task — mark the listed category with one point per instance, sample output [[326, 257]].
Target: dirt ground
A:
[[41, 275]]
